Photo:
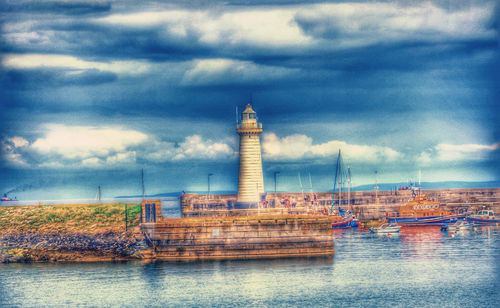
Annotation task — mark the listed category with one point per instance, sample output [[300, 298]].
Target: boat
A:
[[462, 225], [343, 218], [6, 198], [386, 228], [423, 212], [343, 222], [484, 217]]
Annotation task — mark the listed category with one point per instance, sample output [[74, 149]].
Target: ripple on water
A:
[[419, 267]]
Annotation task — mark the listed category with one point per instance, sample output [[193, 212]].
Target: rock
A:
[[43, 247]]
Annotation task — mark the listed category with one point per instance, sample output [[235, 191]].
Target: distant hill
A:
[[178, 193], [369, 187], [430, 185]]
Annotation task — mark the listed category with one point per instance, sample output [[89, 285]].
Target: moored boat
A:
[[484, 217], [6, 198], [423, 212], [462, 225], [341, 222], [386, 228], [344, 218]]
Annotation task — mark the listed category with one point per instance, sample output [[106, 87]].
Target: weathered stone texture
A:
[[232, 238], [363, 203]]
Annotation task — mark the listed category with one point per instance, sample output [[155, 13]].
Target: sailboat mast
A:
[[338, 173], [349, 187], [340, 179], [142, 177], [301, 188]]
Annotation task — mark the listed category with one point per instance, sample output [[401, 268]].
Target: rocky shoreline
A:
[[69, 247], [70, 233]]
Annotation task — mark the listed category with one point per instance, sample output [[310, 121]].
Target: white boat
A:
[[484, 217], [462, 225], [386, 228], [347, 218]]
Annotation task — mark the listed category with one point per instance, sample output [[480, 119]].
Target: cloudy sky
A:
[[93, 91]]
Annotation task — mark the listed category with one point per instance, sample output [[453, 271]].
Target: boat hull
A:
[[425, 221], [354, 223], [379, 231], [479, 221], [344, 224]]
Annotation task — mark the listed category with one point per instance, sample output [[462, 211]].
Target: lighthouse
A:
[[250, 180]]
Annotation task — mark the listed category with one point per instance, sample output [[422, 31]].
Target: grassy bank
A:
[[89, 218], [69, 232]]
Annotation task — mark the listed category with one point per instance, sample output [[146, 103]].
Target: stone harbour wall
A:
[[366, 204], [239, 237]]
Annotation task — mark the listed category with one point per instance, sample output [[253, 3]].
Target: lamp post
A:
[[275, 178], [209, 175]]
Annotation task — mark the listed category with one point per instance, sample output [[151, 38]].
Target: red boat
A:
[[348, 221], [5, 198], [422, 212]]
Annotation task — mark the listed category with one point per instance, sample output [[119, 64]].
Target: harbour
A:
[[421, 267], [250, 154]]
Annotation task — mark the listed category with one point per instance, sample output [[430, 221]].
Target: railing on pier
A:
[[249, 126]]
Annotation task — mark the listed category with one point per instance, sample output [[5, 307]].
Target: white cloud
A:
[[456, 153], [159, 152], [361, 24], [192, 147], [122, 158], [213, 71], [15, 159], [30, 61], [92, 162], [18, 141], [64, 146], [52, 165], [310, 25], [296, 147], [265, 27], [149, 19], [83, 142], [9, 148], [292, 147], [195, 72]]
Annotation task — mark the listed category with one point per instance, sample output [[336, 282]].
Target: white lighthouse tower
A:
[[251, 181]]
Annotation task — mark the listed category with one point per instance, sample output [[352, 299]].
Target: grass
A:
[[93, 218]]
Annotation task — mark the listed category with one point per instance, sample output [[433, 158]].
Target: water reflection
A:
[[420, 267]]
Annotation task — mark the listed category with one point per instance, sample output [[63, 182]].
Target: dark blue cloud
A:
[[75, 7], [410, 92], [87, 39], [42, 78]]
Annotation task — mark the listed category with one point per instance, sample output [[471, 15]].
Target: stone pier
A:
[[363, 203], [250, 237]]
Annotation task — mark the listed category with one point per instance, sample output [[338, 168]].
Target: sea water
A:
[[421, 267]]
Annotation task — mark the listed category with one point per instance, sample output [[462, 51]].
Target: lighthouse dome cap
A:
[[248, 109]]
